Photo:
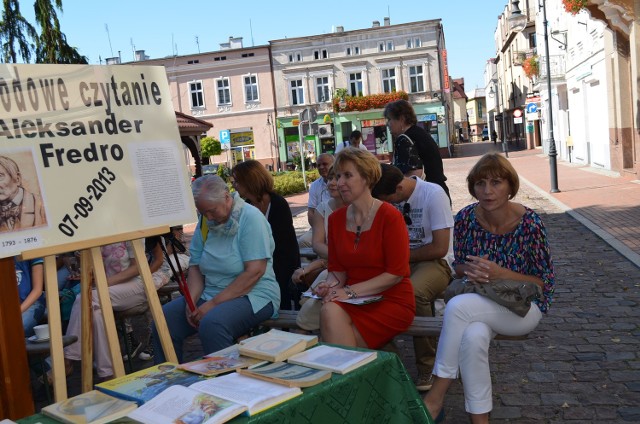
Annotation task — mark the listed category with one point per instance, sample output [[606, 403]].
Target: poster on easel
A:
[[87, 152]]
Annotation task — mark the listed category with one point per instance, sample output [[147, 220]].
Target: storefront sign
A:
[[373, 122], [244, 138]]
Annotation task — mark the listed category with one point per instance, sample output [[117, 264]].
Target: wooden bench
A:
[[421, 326]]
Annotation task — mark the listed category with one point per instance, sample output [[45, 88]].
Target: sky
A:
[[162, 27]]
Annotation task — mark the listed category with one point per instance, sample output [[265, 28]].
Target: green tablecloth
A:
[[379, 392]]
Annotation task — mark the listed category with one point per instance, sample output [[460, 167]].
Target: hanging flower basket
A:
[[361, 103], [531, 67], [574, 6]]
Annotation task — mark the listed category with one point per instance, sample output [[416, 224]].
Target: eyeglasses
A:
[[406, 213]]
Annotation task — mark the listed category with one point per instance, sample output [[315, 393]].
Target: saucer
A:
[[35, 339]]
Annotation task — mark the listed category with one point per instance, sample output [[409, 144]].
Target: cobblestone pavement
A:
[[582, 363]]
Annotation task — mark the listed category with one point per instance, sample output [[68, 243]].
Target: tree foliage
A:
[[209, 146], [15, 32], [20, 39]]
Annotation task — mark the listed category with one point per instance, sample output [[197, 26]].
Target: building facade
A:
[[344, 77], [233, 90]]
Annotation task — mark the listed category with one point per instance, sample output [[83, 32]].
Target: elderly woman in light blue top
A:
[[230, 275]]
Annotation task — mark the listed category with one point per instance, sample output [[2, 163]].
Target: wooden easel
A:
[[90, 255]]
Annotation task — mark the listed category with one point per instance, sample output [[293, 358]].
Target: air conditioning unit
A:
[[325, 131]]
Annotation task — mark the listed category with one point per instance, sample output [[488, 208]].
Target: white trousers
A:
[[470, 322]]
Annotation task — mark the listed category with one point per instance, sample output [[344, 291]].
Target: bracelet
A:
[[351, 294]]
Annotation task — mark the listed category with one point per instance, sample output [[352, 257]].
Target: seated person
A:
[[126, 290], [427, 214], [308, 317], [230, 277], [368, 255], [30, 278], [254, 184], [318, 193]]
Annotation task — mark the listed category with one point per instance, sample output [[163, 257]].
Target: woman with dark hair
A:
[[254, 183], [414, 150], [494, 239]]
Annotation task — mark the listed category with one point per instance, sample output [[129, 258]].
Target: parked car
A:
[[210, 169], [485, 134]]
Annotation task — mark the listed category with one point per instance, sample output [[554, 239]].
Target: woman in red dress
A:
[[368, 255]]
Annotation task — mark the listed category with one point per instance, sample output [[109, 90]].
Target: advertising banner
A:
[[87, 152]]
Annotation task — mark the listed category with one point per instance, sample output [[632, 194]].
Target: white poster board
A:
[[87, 152]]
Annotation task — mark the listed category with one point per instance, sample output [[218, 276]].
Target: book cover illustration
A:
[[182, 405], [92, 407], [291, 375], [145, 384], [214, 365]]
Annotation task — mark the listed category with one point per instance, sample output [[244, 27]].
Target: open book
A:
[[145, 384], [183, 405], [334, 359], [288, 374], [256, 395], [92, 407], [275, 345]]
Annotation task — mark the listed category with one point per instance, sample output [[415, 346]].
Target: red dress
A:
[[382, 248]]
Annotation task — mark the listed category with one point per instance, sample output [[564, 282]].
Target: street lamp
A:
[[505, 145], [517, 19]]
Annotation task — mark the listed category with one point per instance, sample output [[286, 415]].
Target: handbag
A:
[[513, 295]]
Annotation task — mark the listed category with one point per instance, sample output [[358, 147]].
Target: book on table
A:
[[291, 375], [334, 359], [214, 365], [144, 385], [275, 346], [183, 405], [92, 407], [256, 395]]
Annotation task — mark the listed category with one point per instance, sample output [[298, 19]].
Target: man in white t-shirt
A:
[[318, 193], [427, 213], [355, 140]]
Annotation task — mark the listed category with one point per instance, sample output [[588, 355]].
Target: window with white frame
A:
[[197, 94], [356, 50], [381, 46], [297, 92], [251, 88], [349, 51], [223, 90], [416, 79], [316, 54], [298, 56], [409, 43], [389, 45], [355, 83], [290, 57], [353, 50], [388, 80], [417, 43], [325, 54], [322, 89]]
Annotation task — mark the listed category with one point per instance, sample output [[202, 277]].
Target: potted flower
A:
[[574, 6], [531, 66]]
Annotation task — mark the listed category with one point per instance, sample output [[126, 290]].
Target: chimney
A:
[[233, 43], [387, 21], [113, 60], [340, 28], [376, 24], [141, 56]]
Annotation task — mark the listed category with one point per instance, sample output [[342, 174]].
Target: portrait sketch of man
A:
[[21, 204]]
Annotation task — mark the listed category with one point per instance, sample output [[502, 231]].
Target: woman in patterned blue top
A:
[[494, 238]]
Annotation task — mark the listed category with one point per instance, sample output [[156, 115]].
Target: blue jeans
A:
[[31, 317], [218, 329]]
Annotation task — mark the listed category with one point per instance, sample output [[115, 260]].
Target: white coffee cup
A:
[[42, 331]]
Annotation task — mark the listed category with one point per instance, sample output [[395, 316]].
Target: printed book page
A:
[[180, 404], [309, 339], [213, 365], [363, 300], [92, 407], [333, 359], [256, 394]]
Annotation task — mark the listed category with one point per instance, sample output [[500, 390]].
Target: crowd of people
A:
[[384, 230]]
